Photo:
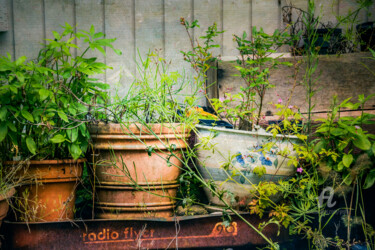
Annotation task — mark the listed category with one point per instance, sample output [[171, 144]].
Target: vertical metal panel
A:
[[302, 4], [236, 20], [28, 27], [327, 10], [119, 24], [371, 13], [4, 15], [176, 39], [90, 12], [6, 38], [207, 12], [149, 26], [347, 6], [57, 13], [265, 14]]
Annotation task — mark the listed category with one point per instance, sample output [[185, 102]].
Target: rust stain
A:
[[219, 230], [193, 231]]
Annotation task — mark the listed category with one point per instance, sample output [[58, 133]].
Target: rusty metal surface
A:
[[181, 232]]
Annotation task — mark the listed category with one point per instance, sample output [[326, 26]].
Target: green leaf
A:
[[3, 113], [27, 115], [21, 60], [11, 126], [75, 151], [13, 137], [58, 138], [98, 47], [64, 101], [100, 85], [3, 131], [31, 145], [347, 160], [318, 147], [43, 94], [63, 116], [340, 166], [348, 179], [72, 110], [84, 145], [118, 52], [370, 179], [322, 129], [373, 148], [98, 35], [369, 97], [13, 89], [20, 77], [92, 30], [72, 134], [361, 142], [83, 130], [56, 35], [338, 132]]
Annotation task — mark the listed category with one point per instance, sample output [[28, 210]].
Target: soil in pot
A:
[[48, 190], [136, 176]]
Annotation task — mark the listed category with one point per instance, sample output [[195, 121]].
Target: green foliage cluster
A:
[[157, 95], [340, 156], [44, 102], [200, 54], [342, 142], [243, 110]]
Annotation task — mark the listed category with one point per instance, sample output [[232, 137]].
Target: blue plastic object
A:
[[358, 247], [214, 123]]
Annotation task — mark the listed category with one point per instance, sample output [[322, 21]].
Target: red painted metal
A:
[[178, 232]]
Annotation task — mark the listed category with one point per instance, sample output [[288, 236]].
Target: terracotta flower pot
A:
[[48, 190], [130, 182], [4, 205]]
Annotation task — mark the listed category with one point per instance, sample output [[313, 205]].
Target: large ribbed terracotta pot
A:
[[130, 182], [4, 204], [48, 189], [242, 150]]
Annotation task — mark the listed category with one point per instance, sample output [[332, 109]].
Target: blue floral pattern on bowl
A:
[[254, 156]]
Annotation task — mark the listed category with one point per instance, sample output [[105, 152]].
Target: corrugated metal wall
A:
[[146, 24]]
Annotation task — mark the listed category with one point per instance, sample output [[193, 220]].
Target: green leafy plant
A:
[[155, 96], [342, 142], [44, 103], [340, 157], [200, 54], [254, 66]]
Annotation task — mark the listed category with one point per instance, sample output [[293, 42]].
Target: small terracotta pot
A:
[[4, 205], [130, 182], [48, 189]]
